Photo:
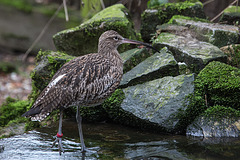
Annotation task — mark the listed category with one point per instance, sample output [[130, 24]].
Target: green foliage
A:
[[11, 110]]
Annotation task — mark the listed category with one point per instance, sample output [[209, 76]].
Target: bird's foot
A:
[[59, 141]]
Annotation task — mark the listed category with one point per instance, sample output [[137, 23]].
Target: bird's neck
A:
[[112, 55]]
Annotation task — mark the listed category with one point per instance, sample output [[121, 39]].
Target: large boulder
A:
[[151, 105], [162, 14], [83, 39]]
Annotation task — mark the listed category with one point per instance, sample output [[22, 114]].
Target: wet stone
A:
[[154, 67]]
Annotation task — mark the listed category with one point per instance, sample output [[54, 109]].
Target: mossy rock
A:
[[158, 65], [194, 53], [153, 105], [217, 84], [231, 15], [83, 39], [220, 83], [216, 34], [47, 64], [162, 14]]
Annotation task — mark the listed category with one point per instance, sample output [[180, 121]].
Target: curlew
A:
[[84, 81]]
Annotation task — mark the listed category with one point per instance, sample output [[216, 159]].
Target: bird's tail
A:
[[36, 114]]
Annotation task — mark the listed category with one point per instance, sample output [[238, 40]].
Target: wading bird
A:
[[84, 81]]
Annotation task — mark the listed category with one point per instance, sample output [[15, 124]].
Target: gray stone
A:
[[133, 57], [157, 66], [158, 102], [209, 127], [217, 34], [196, 54]]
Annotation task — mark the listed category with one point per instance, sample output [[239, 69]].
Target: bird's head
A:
[[111, 40]]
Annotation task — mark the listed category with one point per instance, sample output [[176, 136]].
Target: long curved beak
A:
[[125, 40]]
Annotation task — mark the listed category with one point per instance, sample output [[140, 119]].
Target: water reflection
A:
[[107, 141]]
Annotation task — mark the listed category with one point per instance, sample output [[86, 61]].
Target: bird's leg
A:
[[59, 134], [79, 122]]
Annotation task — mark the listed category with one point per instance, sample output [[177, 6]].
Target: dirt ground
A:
[[15, 84]]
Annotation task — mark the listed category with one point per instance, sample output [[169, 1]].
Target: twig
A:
[[65, 10], [223, 11], [102, 3], [209, 1], [42, 32]]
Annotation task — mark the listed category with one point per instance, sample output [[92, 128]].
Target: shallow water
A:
[[109, 141]]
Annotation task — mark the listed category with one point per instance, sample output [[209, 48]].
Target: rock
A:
[[217, 84], [220, 122], [152, 105], [133, 57], [162, 14], [194, 53], [12, 129], [154, 67], [231, 15], [214, 33], [83, 39]]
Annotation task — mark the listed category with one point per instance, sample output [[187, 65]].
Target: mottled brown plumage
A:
[[84, 81]]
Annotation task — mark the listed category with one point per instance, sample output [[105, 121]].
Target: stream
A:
[[112, 141]]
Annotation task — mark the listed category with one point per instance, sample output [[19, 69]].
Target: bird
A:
[[84, 81]]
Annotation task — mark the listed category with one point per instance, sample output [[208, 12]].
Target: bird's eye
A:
[[116, 38]]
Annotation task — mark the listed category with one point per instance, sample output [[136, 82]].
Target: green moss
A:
[[220, 112], [196, 19], [11, 111]]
